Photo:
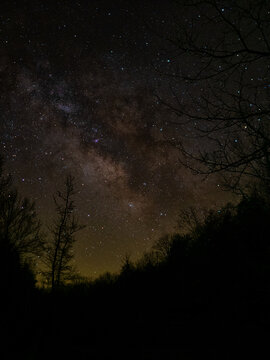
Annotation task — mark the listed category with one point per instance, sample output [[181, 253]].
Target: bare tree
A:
[[190, 219], [20, 228], [60, 249], [220, 82], [162, 247]]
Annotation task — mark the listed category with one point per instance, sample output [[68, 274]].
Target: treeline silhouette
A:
[[201, 293]]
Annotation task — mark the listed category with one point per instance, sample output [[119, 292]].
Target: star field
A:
[[78, 96]]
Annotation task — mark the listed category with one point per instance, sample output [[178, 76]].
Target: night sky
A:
[[78, 85]]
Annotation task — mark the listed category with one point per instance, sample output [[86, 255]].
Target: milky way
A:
[[78, 97]]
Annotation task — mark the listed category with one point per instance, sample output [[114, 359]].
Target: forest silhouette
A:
[[201, 292]]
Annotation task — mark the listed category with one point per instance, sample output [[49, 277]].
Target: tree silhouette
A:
[[127, 265], [20, 228], [220, 85], [20, 243], [60, 249], [162, 247]]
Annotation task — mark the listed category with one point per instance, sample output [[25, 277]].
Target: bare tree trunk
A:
[[57, 248], [60, 250]]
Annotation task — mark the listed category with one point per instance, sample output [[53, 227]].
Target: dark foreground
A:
[[209, 298]]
